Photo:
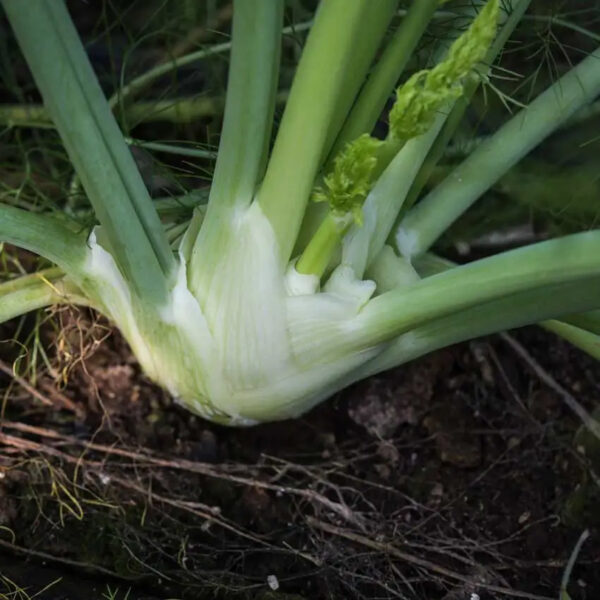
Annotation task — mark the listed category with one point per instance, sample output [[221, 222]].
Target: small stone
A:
[[273, 582], [524, 518]]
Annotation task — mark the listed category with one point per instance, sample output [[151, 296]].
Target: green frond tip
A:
[[346, 186], [418, 100]]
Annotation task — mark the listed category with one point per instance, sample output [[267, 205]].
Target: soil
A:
[[454, 477]]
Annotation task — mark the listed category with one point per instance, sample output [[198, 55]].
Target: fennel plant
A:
[[271, 302]]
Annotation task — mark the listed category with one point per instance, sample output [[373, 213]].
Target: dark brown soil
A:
[[455, 477]]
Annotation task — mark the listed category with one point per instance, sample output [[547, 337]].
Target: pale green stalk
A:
[[180, 110], [244, 144], [44, 235], [516, 310], [589, 321], [458, 111], [315, 259], [390, 271], [386, 73], [176, 110], [554, 268], [496, 155], [508, 309], [362, 244], [360, 56], [173, 149], [581, 330], [35, 291], [304, 130], [141, 82], [50, 274], [586, 340], [253, 75], [25, 115]]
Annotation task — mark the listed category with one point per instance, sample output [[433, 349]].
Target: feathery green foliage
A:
[[427, 91], [347, 185]]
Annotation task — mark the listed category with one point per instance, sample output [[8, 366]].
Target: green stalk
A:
[[514, 310], [360, 56], [458, 111], [248, 119], [175, 110], [589, 342], [363, 243], [318, 253], [497, 154], [390, 271], [563, 274], [181, 110], [145, 80], [95, 145], [303, 134], [173, 149], [386, 73], [142, 82], [247, 124], [384, 203], [589, 321], [45, 236], [25, 115], [35, 291], [183, 204], [51, 274], [429, 264], [581, 330], [501, 314]]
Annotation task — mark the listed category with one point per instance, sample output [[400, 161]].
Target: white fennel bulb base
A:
[[260, 344]]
